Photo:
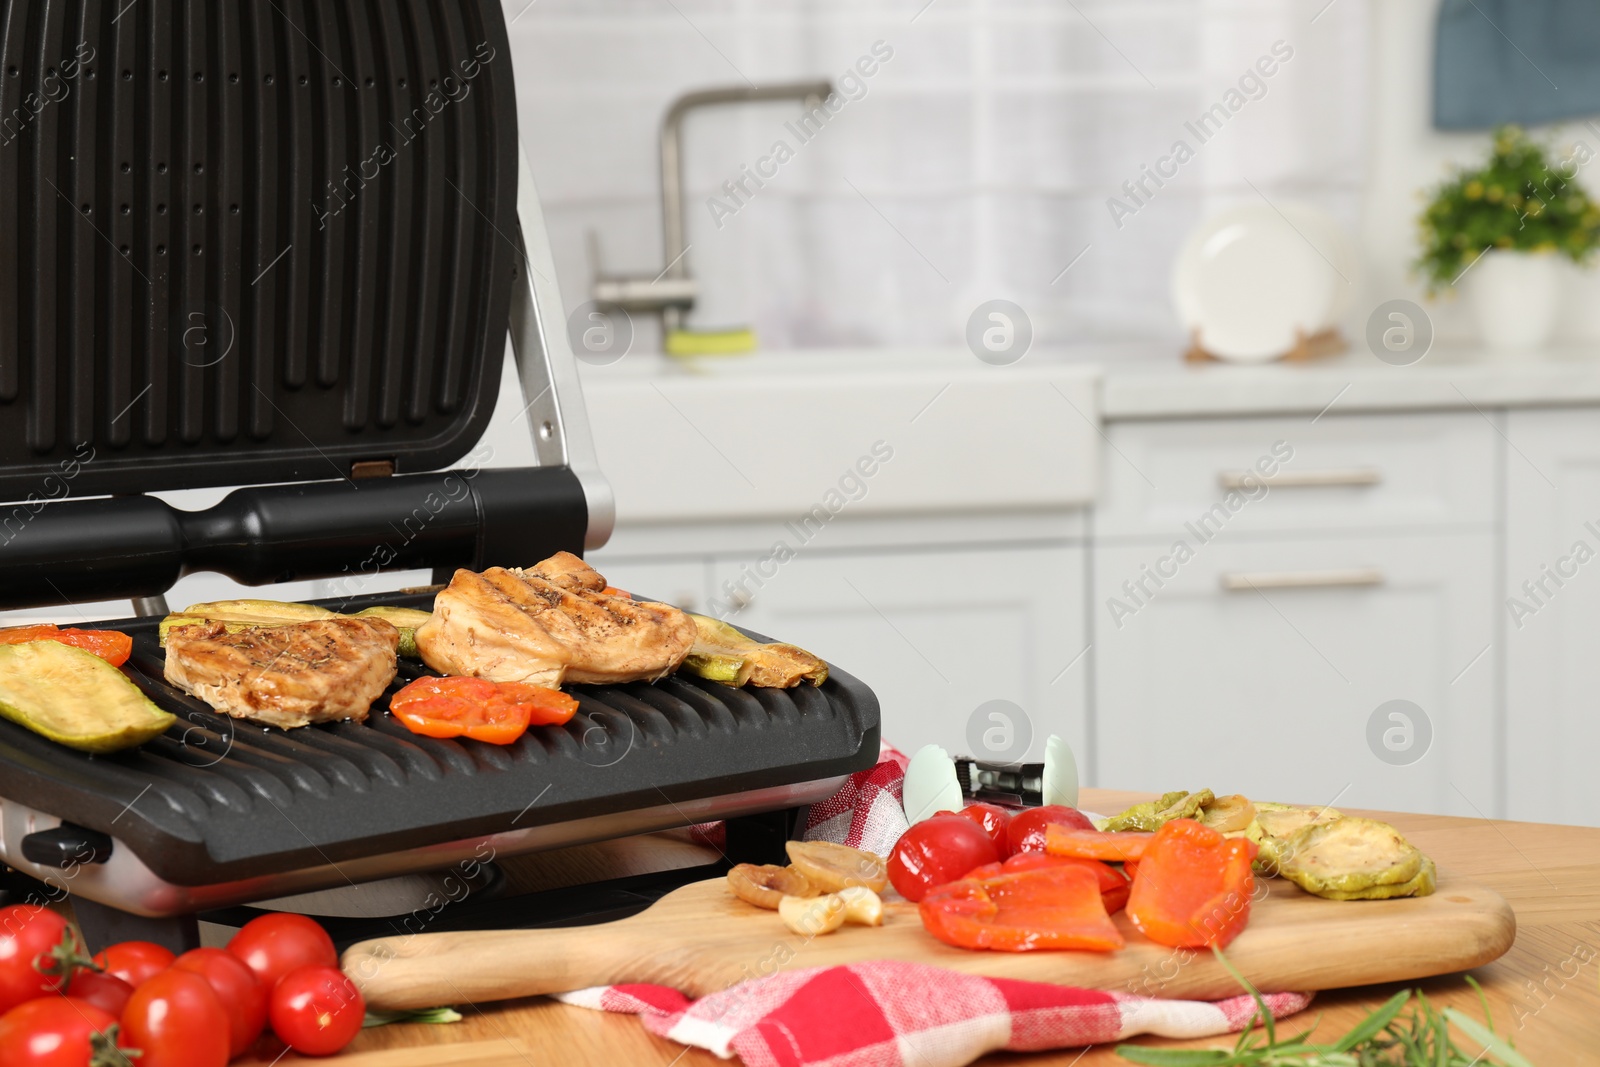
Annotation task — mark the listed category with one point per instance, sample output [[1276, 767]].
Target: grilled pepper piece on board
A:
[[1193, 887], [1044, 908], [1121, 847], [1114, 884]]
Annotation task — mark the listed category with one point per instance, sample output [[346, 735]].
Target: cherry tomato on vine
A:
[[236, 987], [55, 1031], [135, 961], [316, 1010], [105, 991], [937, 850], [1026, 832], [273, 945], [175, 1020], [28, 935]]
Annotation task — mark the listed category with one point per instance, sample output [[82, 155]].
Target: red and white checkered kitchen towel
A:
[[893, 1014]]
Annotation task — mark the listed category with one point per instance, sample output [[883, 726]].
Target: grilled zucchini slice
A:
[[723, 654], [1276, 823], [1152, 815], [406, 620], [240, 614], [75, 698], [1352, 859]]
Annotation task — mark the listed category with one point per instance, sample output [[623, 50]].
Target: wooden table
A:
[[1545, 992]]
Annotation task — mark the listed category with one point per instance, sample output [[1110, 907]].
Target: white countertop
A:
[[1141, 387], [1151, 381]]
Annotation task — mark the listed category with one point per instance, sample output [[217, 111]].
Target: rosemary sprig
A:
[[1392, 1036]]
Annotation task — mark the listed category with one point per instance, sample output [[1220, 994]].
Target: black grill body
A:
[[278, 244]]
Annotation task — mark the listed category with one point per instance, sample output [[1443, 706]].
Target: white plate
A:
[[1250, 280]]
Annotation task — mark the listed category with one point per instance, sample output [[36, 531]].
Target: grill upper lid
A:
[[258, 241]]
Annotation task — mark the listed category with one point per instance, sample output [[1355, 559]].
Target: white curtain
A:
[[978, 161]]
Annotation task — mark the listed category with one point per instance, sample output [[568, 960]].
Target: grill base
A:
[[124, 881]]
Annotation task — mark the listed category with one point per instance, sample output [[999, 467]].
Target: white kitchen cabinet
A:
[[1549, 610], [1268, 688], [1339, 472], [938, 634]]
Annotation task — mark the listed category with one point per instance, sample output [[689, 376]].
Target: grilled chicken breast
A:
[[550, 624], [289, 675]]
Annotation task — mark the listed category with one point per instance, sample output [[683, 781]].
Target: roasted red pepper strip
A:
[[1094, 845], [496, 712], [109, 645], [1114, 885], [1193, 887], [1045, 908]]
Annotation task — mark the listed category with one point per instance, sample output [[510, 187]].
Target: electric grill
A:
[[280, 246]]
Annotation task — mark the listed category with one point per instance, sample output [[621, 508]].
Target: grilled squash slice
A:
[[1354, 859], [237, 615], [406, 620], [75, 698], [723, 654], [1152, 815], [1276, 823]]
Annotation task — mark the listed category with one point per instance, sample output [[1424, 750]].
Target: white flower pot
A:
[[1515, 297]]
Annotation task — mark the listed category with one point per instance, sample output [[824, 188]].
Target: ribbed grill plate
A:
[[216, 800], [250, 241]]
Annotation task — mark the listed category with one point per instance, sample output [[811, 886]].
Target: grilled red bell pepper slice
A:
[[1114, 885], [496, 712], [110, 645], [1119, 847], [1193, 887], [1044, 908]]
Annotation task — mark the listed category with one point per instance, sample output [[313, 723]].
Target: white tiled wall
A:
[[977, 165]]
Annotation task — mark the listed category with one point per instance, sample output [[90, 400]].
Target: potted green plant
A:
[[1499, 230]]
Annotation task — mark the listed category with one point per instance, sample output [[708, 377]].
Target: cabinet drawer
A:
[[1356, 472], [1262, 668]]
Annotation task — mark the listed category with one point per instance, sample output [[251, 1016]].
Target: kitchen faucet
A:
[[672, 292]]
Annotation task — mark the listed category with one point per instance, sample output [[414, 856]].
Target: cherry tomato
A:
[[27, 933], [105, 991], [316, 1010], [935, 851], [496, 712], [1026, 832], [994, 821], [134, 961], [53, 1032], [176, 1021], [236, 987], [273, 945]]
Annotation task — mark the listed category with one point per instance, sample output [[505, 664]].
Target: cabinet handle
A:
[[1332, 477], [1355, 577]]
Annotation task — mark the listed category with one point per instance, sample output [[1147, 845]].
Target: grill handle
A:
[[118, 549]]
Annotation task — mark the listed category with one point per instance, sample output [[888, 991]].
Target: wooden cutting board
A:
[[701, 939]]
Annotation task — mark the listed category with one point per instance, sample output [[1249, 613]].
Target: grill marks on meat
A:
[[289, 675], [550, 624]]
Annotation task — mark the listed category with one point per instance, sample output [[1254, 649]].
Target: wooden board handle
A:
[[429, 970]]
